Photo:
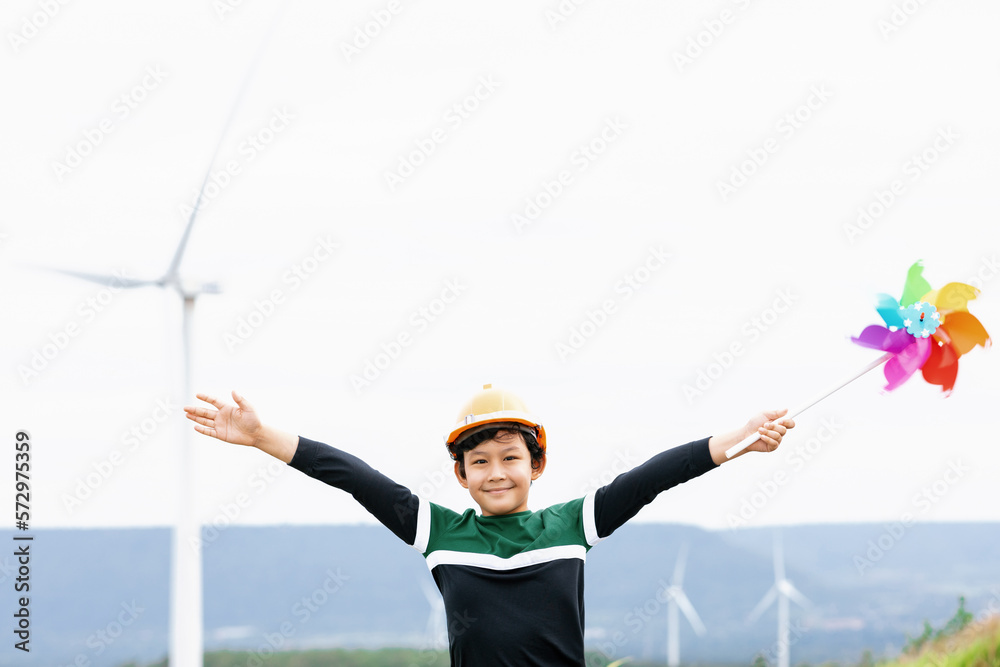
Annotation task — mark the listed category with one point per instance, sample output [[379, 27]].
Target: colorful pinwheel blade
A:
[[928, 330], [888, 308], [953, 297], [965, 332], [907, 362], [915, 286], [880, 338], [941, 367]]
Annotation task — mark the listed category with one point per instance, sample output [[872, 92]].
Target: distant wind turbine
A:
[[186, 604], [677, 598], [783, 591], [436, 632], [186, 632]]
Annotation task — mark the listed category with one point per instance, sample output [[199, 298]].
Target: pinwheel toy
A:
[[926, 330]]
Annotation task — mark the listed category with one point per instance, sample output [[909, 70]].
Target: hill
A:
[[977, 645], [359, 587]]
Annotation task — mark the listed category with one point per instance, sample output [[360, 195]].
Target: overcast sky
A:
[[592, 205]]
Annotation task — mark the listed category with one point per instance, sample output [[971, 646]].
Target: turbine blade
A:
[[431, 593], [101, 279], [692, 616], [678, 577], [765, 602], [793, 594], [179, 253]]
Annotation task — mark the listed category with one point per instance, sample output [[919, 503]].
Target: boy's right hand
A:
[[238, 424]]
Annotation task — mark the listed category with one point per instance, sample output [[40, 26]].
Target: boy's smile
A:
[[498, 474]]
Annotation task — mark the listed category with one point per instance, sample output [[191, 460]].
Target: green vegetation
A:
[[957, 623], [958, 643], [388, 657]]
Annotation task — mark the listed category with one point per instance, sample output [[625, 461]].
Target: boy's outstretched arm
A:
[[395, 506], [619, 501], [240, 425], [767, 424]]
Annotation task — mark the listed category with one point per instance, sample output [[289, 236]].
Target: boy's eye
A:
[[479, 461]]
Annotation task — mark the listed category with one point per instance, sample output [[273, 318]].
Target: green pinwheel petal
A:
[[915, 287]]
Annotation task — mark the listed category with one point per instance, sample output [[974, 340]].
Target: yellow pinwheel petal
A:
[[953, 297]]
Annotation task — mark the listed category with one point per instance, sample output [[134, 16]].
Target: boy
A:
[[512, 579]]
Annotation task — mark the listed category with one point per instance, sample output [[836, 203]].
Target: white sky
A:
[[676, 131]]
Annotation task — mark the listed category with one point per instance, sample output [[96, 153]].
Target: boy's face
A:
[[498, 474]]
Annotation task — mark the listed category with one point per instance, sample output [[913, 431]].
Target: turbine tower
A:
[[782, 591], [677, 598], [186, 605]]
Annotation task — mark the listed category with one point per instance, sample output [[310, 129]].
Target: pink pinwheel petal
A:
[[880, 338], [904, 364]]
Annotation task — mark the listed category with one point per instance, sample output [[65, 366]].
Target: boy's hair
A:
[[458, 449]]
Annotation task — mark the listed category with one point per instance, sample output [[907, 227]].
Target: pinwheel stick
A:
[[749, 440]]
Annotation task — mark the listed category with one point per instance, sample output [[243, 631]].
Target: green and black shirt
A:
[[512, 584]]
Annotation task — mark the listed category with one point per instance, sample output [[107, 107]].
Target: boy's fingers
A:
[[783, 425], [200, 412], [775, 414], [203, 421], [242, 402], [211, 399], [768, 443]]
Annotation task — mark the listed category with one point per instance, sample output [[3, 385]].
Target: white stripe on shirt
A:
[[590, 519], [491, 562], [423, 526]]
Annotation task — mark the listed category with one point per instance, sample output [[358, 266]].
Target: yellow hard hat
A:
[[490, 406]]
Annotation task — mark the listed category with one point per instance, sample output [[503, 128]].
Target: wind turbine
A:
[[186, 632], [436, 632], [186, 604], [782, 591], [677, 598]]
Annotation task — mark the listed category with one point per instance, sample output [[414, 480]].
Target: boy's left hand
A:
[[770, 426]]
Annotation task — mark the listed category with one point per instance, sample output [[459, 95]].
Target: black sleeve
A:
[[391, 503], [628, 493]]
